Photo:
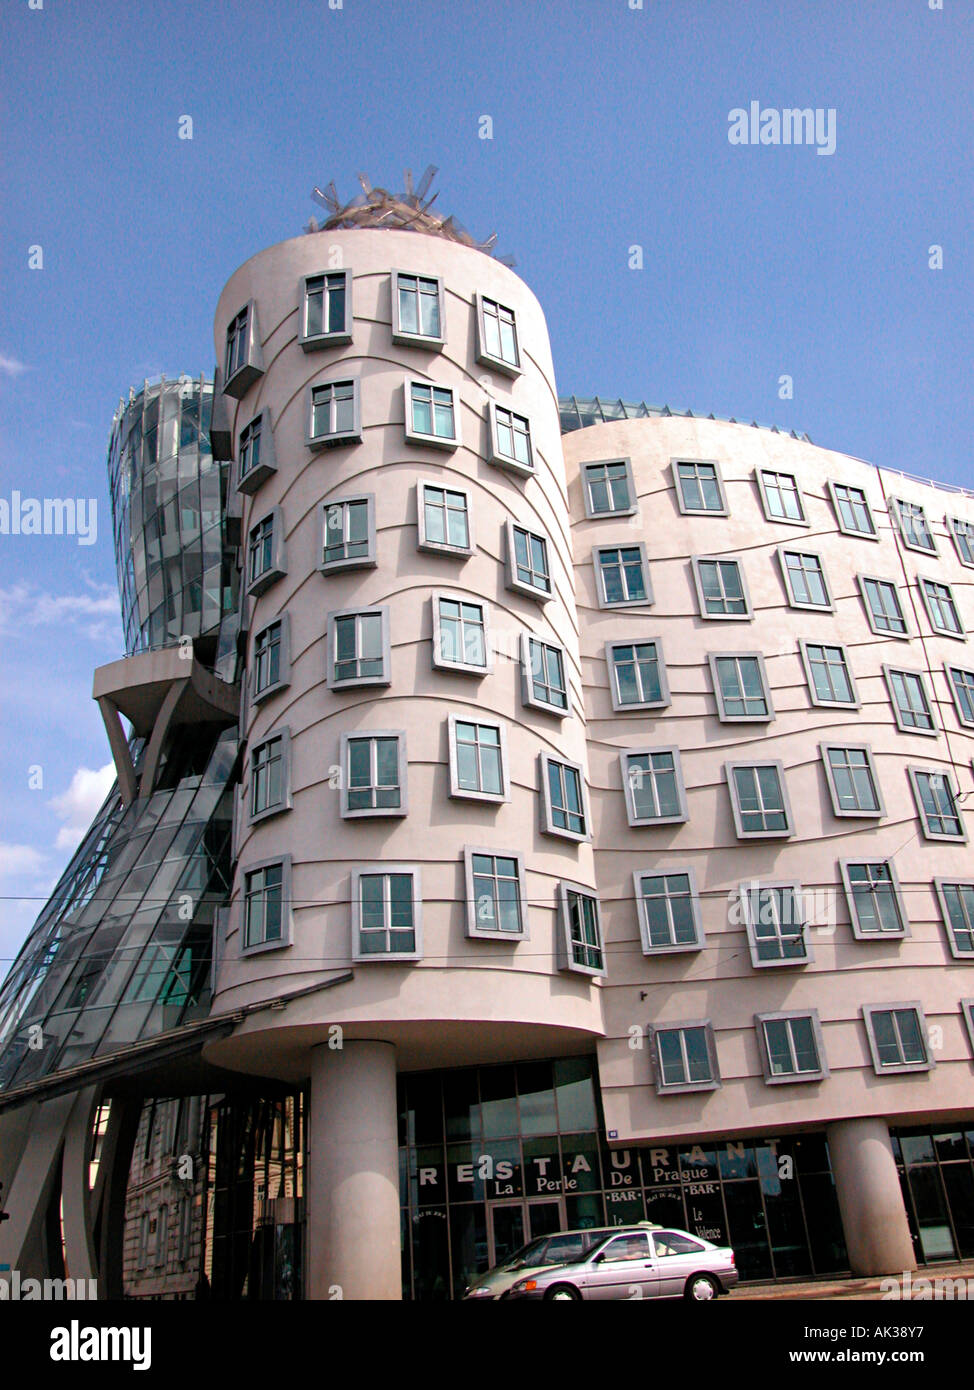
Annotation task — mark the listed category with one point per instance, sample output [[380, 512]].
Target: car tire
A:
[[701, 1288], [562, 1293]]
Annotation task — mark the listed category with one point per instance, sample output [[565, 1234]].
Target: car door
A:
[[623, 1268], [677, 1257]]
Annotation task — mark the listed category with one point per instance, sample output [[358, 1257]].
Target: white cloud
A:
[[95, 614], [20, 859], [77, 806], [10, 366]]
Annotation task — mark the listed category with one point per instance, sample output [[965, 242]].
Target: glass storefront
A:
[[936, 1171], [491, 1157]]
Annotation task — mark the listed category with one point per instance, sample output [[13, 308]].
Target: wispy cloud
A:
[[93, 614], [77, 806], [20, 859], [10, 366]]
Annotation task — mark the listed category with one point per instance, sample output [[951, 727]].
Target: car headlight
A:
[[525, 1286]]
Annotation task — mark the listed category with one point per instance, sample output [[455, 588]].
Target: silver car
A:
[[661, 1263], [562, 1247]]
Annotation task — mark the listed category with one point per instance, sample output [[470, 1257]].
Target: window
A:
[[255, 454], [775, 924], [897, 1036], [564, 802], [417, 310], [957, 906], [637, 675], [444, 519], [272, 667], [510, 439], [608, 488], [266, 906], [827, 673], [581, 927], [759, 799], [242, 361], [373, 773], [669, 911], [270, 782], [804, 578], [460, 635], [185, 1230], [326, 318], [741, 687], [852, 510], [937, 804], [336, 415], [358, 648], [431, 416], [348, 526], [496, 895], [941, 609], [162, 1236], [875, 903], [882, 603], [721, 591], [908, 695], [265, 553], [497, 336], [852, 780], [962, 689], [684, 1058], [527, 563], [699, 487], [791, 1047], [386, 913], [543, 681], [780, 496], [653, 783], [912, 521], [967, 1009], [478, 759], [963, 537], [622, 575]]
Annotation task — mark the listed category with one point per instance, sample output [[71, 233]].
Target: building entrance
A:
[[513, 1224]]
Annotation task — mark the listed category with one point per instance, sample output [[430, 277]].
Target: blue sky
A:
[[610, 129]]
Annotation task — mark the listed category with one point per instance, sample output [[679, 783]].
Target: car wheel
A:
[[563, 1293], [700, 1288]]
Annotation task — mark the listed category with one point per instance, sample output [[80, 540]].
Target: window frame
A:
[[383, 869], [685, 510], [566, 960], [430, 441], [913, 773], [953, 525], [590, 513], [442, 547], [421, 340], [967, 1011], [516, 585], [824, 749], [603, 602], [277, 568], [312, 341], [547, 824], [868, 1010], [367, 561], [664, 1088], [496, 456], [402, 765], [620, 706], [872, 535], [441, 663], [895, 504], [238, 382], [642, 912], [788, 832], [528, 696], [334, 439], [922, 583], [949, 669], [283, 659], [511, 369], [485, 933], [722, 715], [266, 467], [632, 815], [862, 580], [783, 962], [354, 682], [465, 793], [769, 516], [816, 699], [857, 929], [284, 734], [821, 1073], [285, 939], [785, 550], [695, 562], [889, 671]]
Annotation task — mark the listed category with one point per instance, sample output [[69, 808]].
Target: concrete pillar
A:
[[867, 1185], [79, 1244], [353, 1174]]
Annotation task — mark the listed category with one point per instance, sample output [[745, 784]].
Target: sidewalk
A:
[[832, 1288]]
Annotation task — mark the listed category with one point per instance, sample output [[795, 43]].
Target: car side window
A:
[[634, 1247], [563, 1249], [672, 1243]]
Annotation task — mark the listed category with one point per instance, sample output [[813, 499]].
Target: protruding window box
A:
[[334, 414], [373, 764], [444, 518], [528, 566], [387, 906], [544, 682], [326, 310], [497, 340], [255, 454], [243, 361], [509, 435], [271, 659], [461, 639], [266, 906], [359, 649], [432, 414], [348, 534], [266, 561], [418, 310], [580, 948], [497, 897]]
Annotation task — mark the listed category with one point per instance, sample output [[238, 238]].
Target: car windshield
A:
[[528, 1254]]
